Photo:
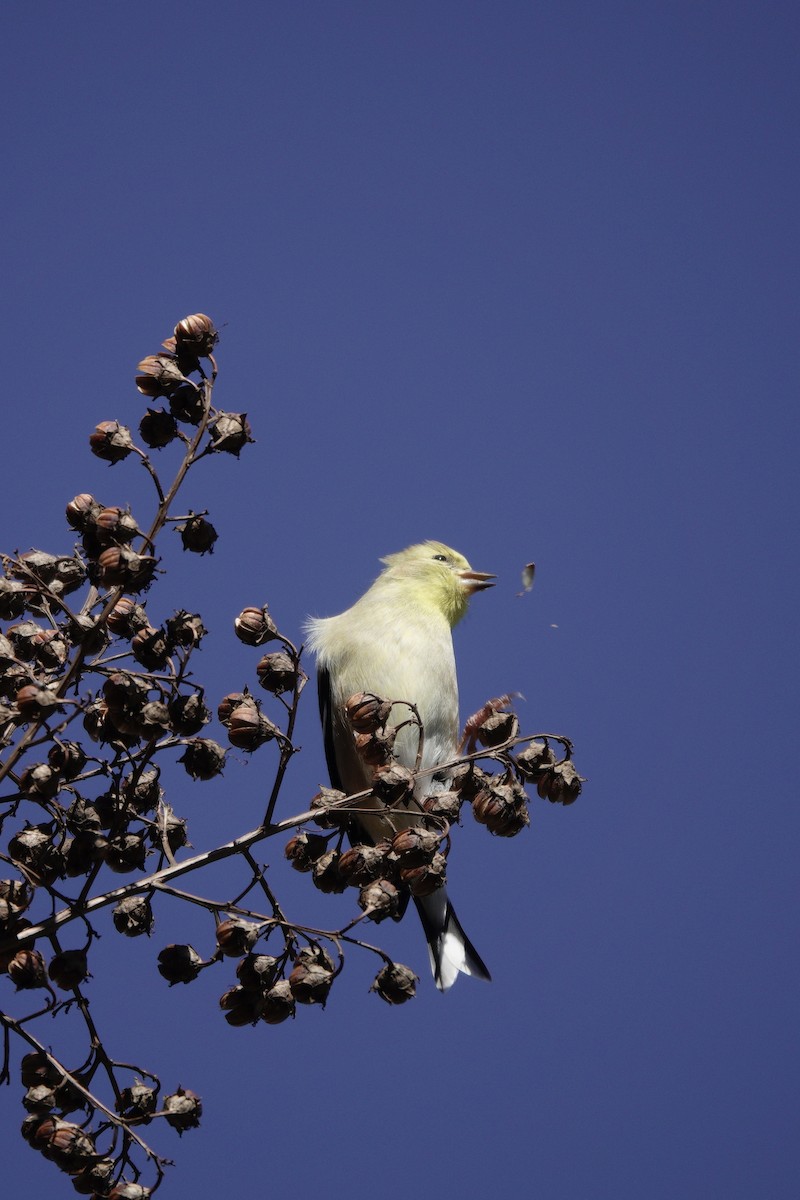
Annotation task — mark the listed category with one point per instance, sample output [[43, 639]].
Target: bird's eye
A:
[[440, 558]]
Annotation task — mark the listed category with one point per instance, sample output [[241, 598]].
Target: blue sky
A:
[[521, 277]]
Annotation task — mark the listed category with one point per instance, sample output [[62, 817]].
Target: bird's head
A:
[[438, 576]]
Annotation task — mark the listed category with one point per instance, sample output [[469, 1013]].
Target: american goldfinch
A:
[[396, 642]]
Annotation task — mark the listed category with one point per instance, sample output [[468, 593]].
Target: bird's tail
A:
[[449, 948]]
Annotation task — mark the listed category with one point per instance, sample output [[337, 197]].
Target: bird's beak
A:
[[476, 581]]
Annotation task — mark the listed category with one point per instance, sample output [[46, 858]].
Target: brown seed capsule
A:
[[179, 964], [185, 629], [395, 983], [236, 936], [254, 626], [188, 714], [497, 728], [34, 850], [83, 852], [379, 899], [415, 846], [467, 780], [37, 1068], [142, 790], [203, 758], [170, 829], [50, 649], [158, 428], [66, 1145], [229, 703], [159, 375], [425, 880], [111, 441], [115, 526], [15, 897], [96, 1180], [534, 760], [196, 336], [39, 1099], [36, 703], [151, 648], [198, 534], [125, 1189], [367, 712], [187, 403], [183, 1109], [277, 673], [560, 784], [248, 728], [137, 1102], [375, 749], [257, 972], [126, 852], [27, 970], [13, 594], [446, 805], [325, 873], [312, 976], [119, 566], [133, 916], [82, 511], [361, 864], [502, 808], [68, 969], [325, 805], [278, 1003], [40, 781], [68, 758], [230, 433], [394, 784], [304, 849], [127, 618], [242, 1006]]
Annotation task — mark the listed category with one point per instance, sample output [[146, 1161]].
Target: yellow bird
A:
[[396, 642]]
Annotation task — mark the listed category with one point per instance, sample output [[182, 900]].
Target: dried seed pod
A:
[[415, 846], [96, 1180], [325, 805], [126, 852], [126, 1189], [312, 976], [203, 758], [560, 784], [13, 595], [51, 649], [395, 983], [229, 703], [82, 511], [278, 1003], [133, 916], [379, 899], [33, 849], [304, 849], [277, 673], [185, 629], [242, 1006], [39, 781], [426, 879], [159, 375], [68, 758], [119, 566], [137, 1102], [179, 964], [366, 712], [188, 714], [230, 432], [467, 780], [502, 808], [248, 728], [534, 760], [187, 403], [195, 336], [22, 637], [158, 428], [325, 873], [26, 970], [83, 817], [361, 864], [257, 972], [170, 828], [375, 749], [446, 805], [127, 618], [394, 784], [115, 526], [65, 1144], [111, 441], [84, 851], [15, 896], [497, 728], [183, 1109], [236, 936], [151, 648], [197, 534], [68, 969], [37, 1067], [39, 1099], [254, 626]]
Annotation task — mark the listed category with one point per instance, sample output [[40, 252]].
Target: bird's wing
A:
[[326, 716]]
